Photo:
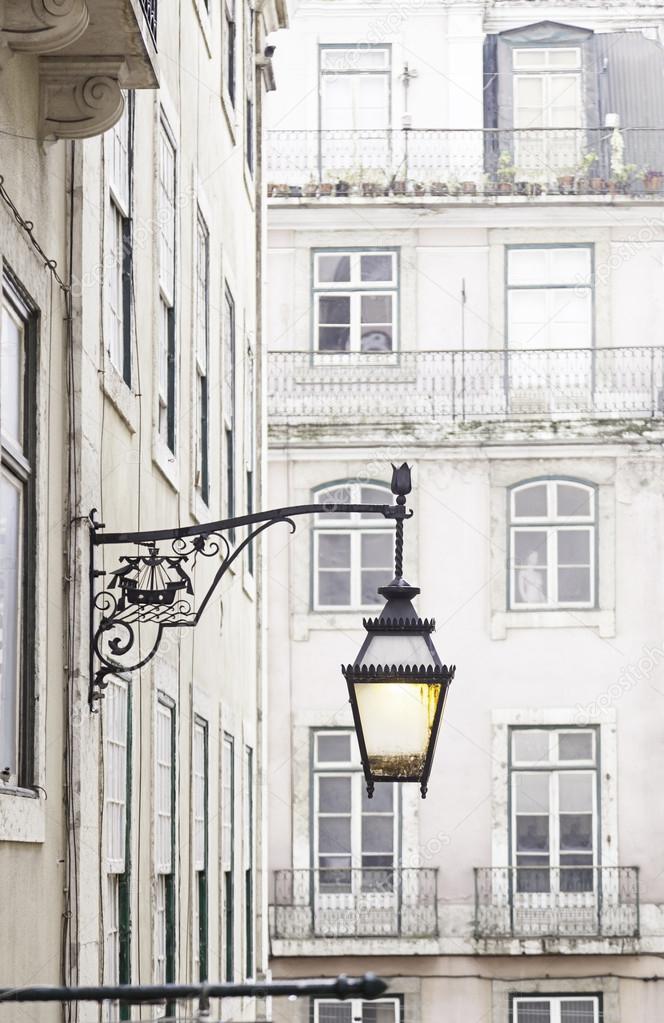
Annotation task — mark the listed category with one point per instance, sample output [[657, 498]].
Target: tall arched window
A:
[[552, 544], [352, 552]]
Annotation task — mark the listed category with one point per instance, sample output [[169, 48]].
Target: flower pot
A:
[[282, 191], [439, 188], [504, 188], [616, 187], [566, 184], [326, 188], [371, 189], [310, 190], [398, 187], [295, 192], [419, 189], [598, 185], [342, 188], [468, 188], [654, 181], [583, 186]]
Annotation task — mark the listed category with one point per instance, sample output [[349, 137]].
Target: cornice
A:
[[79, 97]]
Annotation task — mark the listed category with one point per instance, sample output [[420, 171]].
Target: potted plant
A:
[[281, 191], [295, 191], [342, 188], [398, 187], [310, 190], [654, 181], [468, 188], [419, 188], [565, 184], [505, 173], [583, 180], [439, 188], [326, 188], [528, 188]]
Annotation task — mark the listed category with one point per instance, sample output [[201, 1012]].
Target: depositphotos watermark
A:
[[630, 676]]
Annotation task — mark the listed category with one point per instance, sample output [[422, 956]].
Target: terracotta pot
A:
[[469, 188], [326, 188], [310, 190], [598, 185], [504, 188], [342, 188], [439, 188], [399, 187], [566, 184], [371, 189]]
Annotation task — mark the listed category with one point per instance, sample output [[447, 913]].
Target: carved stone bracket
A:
[[80, 97], [42, 26]]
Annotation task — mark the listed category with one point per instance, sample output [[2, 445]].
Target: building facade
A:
[[131, 833], [465, 272]]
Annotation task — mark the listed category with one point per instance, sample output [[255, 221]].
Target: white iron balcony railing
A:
[[535, 902], [442, 162], [466, 385], [355, 902], [149, 8]]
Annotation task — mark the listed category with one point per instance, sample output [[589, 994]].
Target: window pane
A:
[[334, 588], [572, 500], [569, 266], [334, 795], [531, 501], [376, 309], [576, 832], [574, 547], [382, 800], [576, 791], [532, 793], [530, 551], [575, 746], [377, 834], [336, 496], [530, 745], [376, 267], [333, 550], [374, 495], [10, 574], [378, 1012], [334, 834], [533, 1012], [333, 339], [335, 1012], [376, 339], [377, 550], [11, 376], [527, 266], [577, 1011], [333, 748], [372, 580], [334, 268], [574, 585], [532, 834], [334, 874], [334, 309]]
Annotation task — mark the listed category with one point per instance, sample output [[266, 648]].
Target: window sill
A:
[[166, 462], [22, 816], [324, 621], [602, 620], [120, 395], [230, 113]]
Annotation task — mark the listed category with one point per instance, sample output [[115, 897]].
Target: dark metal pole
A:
[[367, 986]]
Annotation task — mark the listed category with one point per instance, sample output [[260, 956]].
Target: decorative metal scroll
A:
[[165, 579]]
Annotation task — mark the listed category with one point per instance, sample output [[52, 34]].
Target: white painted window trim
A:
[[506, 474], [356, 1005], [607, 768], [355, 290], [607, 987]]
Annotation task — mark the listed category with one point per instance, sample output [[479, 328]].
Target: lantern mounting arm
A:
[[154, 583]]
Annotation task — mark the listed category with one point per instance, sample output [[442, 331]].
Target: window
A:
[[200, 814], [230, 31], [250, 442], [166, 339], [248, 856], [250, 86], [202, 357], [227, 854], [355, 109], [18, 337], [355, 1010], [554, 809], [355, 301], [119, 279], [547, 95], [117, 752], [353, 551], [228, 405], [164, 920], [552, 544], [355, 838], [550, 297], [556, 1009]]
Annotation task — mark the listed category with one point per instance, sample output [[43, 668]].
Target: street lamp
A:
[[164, 579], [398, 683]]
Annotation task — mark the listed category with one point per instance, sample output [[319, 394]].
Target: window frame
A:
[[202, 359], [356, 527], [227, 858], [555, 1000], [355, 289], [167, 297], [166, 704], [555, 765], [118, 888], [249, 865], [359, 49], [200, 916], [120, 206], [21, 467], [229, 51], [356, 1006], [553, 524], [590, 287], [229, 407]]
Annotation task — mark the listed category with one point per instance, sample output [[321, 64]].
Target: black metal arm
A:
[[153, 584]]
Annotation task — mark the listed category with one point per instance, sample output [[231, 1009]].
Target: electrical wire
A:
[[27, 227]]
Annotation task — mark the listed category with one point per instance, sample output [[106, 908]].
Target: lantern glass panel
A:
[[396, 719]]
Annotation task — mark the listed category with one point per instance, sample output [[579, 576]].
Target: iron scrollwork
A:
[[152, 587]]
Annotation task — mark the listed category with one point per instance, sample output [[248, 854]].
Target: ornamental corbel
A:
[[42, 26], [79, 97]]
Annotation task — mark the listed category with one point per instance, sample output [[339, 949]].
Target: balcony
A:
[[470, 386], [374, 902], [558, 902], [465, 163]]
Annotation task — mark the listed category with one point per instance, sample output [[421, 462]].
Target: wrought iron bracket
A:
[[151, 586]]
